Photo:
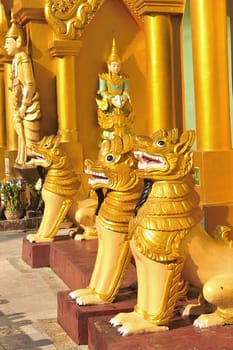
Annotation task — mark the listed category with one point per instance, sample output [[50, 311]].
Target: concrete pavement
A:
[[28, 302]]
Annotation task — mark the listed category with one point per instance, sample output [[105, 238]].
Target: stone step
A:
[[24, 224], [74, 318], [182, 335], [38, 254], [73, 261]]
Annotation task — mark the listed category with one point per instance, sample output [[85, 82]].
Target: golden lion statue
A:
[[60, 192], [170, 247], [115, 172]]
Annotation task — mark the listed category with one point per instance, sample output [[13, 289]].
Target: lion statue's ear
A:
[[185, 143], [55, 142], [128, 142]]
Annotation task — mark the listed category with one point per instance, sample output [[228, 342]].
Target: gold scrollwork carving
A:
[[69, 17]]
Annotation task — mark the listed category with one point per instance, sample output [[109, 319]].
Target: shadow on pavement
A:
[[11, 335]]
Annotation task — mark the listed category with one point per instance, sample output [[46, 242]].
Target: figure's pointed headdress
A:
[[15, 30], [113, 57]]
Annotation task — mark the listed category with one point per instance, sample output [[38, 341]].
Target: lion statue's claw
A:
[[89, 299], [209, 320], [79, 292], [133, 323], [35, 238]]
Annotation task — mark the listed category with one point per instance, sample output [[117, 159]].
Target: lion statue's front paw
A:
[[34, 238], [133, 323], [90, 299], [209, 320], [79, 292]]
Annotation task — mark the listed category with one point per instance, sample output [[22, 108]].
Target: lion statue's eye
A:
[[109, 158], [160, 143]]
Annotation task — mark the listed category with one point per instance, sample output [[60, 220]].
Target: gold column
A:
[[66, 52], [159, 33], [210, 61], [67, 98], [214, 157], [159, 45]]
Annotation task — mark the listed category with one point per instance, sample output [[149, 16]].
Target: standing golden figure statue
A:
[[114, 171], [25, 104], [169, 245], [115, 112]]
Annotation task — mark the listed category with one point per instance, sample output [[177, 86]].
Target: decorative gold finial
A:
[[15, 30], [114, 57]]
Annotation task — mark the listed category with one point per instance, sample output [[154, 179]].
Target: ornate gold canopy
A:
[[68, 18]]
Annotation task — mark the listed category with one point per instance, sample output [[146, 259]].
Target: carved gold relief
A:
[[69, 17]]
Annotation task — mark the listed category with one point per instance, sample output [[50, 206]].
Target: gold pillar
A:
[[160, 83], [210, 61], [66, 99], [214, 157], [159, 34], [66, 52]]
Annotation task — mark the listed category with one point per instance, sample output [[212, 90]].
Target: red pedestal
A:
[[181, 336], [38, 254], [35, 254], [73, 261], [74, 318]]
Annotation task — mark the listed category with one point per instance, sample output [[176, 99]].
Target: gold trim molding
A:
[[146, 7], [131, 6], [26, 11], [68, 18], [58, 48]]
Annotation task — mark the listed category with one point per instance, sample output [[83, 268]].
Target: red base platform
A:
[[74, 318], [73, 261], [35, 254], [182, 335], [38, 254]]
